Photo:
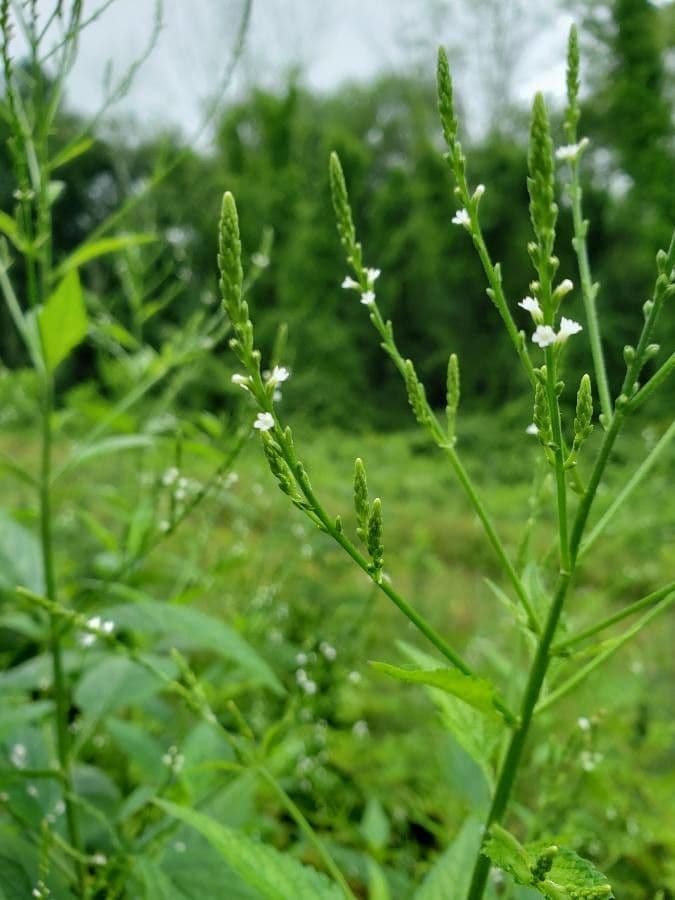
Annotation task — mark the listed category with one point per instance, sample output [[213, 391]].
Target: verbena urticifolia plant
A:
[[558, 659]]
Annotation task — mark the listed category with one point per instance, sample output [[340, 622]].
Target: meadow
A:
[[260, 635]]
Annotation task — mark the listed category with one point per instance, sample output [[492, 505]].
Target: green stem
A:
[[307, 830], [60, 688], [624, 613], [561, 483], [589, 292], [516, 746], [658, 378], [602, 657], [639, 476]]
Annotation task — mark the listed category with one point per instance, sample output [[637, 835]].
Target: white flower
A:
[[368, 298], [354, 677], [478, 193], [531, 305], [328, 650], [567, 328], [544, 335], [169, 476], [278, 375], [99, 859], [264, 421], [241, 380], [532, 429], [173, 759], [570, 152], [18, 756], [584, 723], [372, 275], [349, 283], [309, 687], [461, 217], [360, 729]]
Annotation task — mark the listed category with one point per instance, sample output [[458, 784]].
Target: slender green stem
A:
[[60, 688], [588, 291], [655, 382], [561, 482], [639, 476], [386, 333], [307, 830], [602, 657], [509, 769], [624, 613]]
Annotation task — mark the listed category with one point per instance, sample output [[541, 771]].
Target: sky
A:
[[331, 42]]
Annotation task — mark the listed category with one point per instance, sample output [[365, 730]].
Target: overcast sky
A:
[[331, 41]]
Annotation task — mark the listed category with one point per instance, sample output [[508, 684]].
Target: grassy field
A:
[[371, 762]]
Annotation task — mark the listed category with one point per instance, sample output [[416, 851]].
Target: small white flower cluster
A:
[[462, 217], [570, 152], [173, 759], [97, 626], [367, 296], [273, 379], [305, 682], [264, 421], [59, 810], [40, 890], [328, 651], [545, 335], [260, 260], [590, 760]]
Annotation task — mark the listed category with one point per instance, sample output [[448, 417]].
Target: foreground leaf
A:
[[276, 876], [555, 872], [195, 629], [450, 875], [62, 321], [92, 250], [476, 692]]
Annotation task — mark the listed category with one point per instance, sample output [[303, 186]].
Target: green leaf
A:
[[276, 876], [375, 826], [476, 692], [70, 152], [451, 873], [193, 628], [20, 556], [10, 228], [62, 321], [138, 745], [116, 682], [508, 854], [475, 732], [14, 882], [115, 444], [555, 872], [93, 249]]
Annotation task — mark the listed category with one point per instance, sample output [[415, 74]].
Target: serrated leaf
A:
[[62, 321], [577, 877], [193, 628], [508, 854], [276, 876], [451, 872], [476, 733], [476, 692]]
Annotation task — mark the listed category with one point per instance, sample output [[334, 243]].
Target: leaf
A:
[[375, 825], [555, 872], [451, 872], [508, 854], [193, 628], [62, 321], [70, 152], [276, 876], [93, 249], [116, 682], [20, 556], [9, 227], [14, 882], [112, 445], [476, 692], [476, 733], [138, 745], [12, 718]]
